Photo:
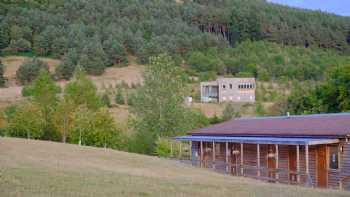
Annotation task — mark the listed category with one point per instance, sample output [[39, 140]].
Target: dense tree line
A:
[[239, 20], [78, 116], [96, 34], [332, 95], [266, 61]]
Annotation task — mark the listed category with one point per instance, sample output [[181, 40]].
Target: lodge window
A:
[[245, 86], [333, 158]]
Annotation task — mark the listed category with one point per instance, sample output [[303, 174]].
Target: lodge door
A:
[[321, 166], [271, 162], [292, 163]]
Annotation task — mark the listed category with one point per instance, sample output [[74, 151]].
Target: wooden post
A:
[[307, 156], [171, 148], [298, 164], [277, 166], [201, 156], [242, 169], [258, 157], [307, 160], [190, 150], [213, 164], [180, 150], [227, 153]]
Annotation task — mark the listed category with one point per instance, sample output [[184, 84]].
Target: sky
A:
[[340, 7]]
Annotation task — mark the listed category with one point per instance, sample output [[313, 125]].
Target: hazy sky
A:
[[341, 7]]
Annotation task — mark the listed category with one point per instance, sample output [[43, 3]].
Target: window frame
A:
[[328, 157]]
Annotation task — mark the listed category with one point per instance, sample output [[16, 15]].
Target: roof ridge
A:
[[293, 116]]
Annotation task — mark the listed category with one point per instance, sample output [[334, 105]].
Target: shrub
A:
[[29, 70], [163, 147], [2, 77], [66, 69], [229, 112], [131, 98], [20, 45], [119, 98], [106, 101]]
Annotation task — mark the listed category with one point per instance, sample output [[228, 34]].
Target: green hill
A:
[[98, 34], [37, 168]]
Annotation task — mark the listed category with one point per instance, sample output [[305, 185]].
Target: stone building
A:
[[228, 90]]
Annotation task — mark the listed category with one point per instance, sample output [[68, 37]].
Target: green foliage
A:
[[62, 118], [230, 112], [131, 27], [105, 100], [2, 77], [208, 61], [269, 61], [29, 70], [93, 58], [131, 98], [332, 95], [28, 121], [259, 109], [81, 91], [215, 119], [163, 148], [69, 62], [119, 97], [159, 112], [20, 45], [43, 89], [96, 128], [115, 51], [260, 20]]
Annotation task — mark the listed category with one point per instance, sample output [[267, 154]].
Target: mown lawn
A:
[[36, 168]]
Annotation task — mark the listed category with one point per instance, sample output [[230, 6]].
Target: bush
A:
[[29, 70], [20, 45], [66, 69], [2, 78], [106, 101], [131, 98], [119, 98], [230, 112], [163, 148]]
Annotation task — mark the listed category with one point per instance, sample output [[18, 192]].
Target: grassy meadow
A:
[[31, 168]]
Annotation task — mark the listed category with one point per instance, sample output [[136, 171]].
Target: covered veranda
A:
[[265, 158]]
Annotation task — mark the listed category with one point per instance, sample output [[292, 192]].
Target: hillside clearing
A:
[[38, 168]]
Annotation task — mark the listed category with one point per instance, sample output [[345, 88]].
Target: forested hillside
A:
[[304, 54], [97, 34], [239, 20]]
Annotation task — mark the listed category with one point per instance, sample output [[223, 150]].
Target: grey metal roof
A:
[[337, 124], [259, 140]]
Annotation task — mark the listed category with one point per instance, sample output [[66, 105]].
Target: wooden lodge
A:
[[310, 150]]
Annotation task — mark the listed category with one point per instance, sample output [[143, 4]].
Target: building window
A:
[[223, 86], [230, 86], [333, 159], [245, 86]]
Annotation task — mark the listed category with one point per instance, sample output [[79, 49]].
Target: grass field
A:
[[31, 168]]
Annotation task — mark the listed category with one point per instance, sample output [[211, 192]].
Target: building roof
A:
[[259, 140], [323, 125]]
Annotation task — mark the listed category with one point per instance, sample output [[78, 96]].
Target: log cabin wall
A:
[[250, 160], [343, 177]]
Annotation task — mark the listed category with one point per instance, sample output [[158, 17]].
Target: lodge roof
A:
[[321, 125]]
